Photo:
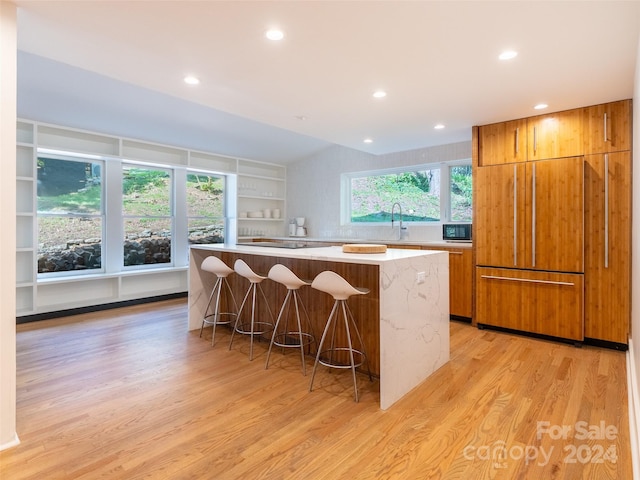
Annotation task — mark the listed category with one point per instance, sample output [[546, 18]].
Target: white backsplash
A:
[[313, 189]]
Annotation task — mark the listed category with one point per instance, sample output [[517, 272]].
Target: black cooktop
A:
[[292, 245]]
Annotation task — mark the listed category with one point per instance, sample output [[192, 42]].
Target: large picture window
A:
[[147, 214], [104, 215], [426, 194], [418, 192], [70, 214]]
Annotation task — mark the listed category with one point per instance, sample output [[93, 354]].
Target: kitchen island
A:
[[404, 319]]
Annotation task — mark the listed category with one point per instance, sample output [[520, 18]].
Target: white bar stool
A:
[[290, 336], [253, 327], [334, 356], [221, 270]]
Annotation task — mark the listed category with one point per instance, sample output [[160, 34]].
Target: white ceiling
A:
[[438, 61]]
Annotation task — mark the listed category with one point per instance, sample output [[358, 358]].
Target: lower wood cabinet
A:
[[545, 303], [460, 280]]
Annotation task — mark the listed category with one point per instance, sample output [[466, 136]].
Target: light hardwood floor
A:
[[130, 394]]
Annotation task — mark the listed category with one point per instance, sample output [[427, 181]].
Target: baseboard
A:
[[97, 308], [11, 443], [634, 411]]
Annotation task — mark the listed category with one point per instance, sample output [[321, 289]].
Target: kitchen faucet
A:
[[402, 232]]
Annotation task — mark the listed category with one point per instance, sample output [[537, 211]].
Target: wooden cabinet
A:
[[504, 142], [555, 201], [607, 127], [563, 211], [499, 232], [608, 246], [531, 215], [546, 303], [555, 135], [460, 280]]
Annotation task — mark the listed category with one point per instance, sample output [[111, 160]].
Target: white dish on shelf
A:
[[255, 215], [297, 236]]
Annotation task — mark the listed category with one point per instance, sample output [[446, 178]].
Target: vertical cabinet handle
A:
[[517, 140], [606, 137], [533, 216], [535, 140], [606, 211], [515, 215]]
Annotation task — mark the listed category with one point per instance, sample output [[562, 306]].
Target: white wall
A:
[[635, 241], [8, 77], [313, 188]]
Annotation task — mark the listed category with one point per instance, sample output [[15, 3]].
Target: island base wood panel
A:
[[318, 304], [544, 303]]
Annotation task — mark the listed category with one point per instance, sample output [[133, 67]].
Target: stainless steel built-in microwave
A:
[[456, 232]]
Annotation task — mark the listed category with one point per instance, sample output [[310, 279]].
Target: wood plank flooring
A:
[[131, 394]]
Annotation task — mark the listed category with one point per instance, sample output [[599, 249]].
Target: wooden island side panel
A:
[[365, 308]]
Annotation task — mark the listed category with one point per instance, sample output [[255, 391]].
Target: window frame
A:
[[78, 158], [172, 216], [112, 217], [445, 190], [225, 199]]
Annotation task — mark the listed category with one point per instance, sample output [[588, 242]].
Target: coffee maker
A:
[[301, 230]]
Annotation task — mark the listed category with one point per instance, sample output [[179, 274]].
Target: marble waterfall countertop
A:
[[332, 254], [412, 310]]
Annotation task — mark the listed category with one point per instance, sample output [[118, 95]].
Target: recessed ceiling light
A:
[[508, 55], [368, 140], [380, 94], [541, 106], [191, 80], [439, 126], [274, 34]]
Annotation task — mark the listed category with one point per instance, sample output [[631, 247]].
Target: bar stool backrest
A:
[[245, 271], [281, 274], [336, 286], [215, 265]]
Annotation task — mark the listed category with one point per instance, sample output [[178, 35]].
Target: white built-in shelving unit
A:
[[261, 198], [252, 186]]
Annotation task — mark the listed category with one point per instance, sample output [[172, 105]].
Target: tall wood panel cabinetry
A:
[[552, 227], [530, 269], [608, 246]]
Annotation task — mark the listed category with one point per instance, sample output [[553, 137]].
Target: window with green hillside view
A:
[[205, 207], [460, 193], [147, 215], [86, 225], [70, 214], [434, 194], [372, 196]]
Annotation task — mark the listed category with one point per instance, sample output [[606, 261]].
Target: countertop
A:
[[333, 253], [421, 243]]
